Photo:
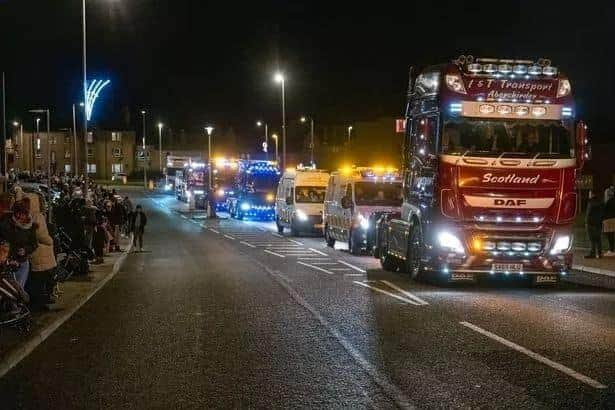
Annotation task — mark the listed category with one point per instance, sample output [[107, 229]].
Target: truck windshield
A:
[[263, 182], [515, 138], [310, 194], [378, 193]]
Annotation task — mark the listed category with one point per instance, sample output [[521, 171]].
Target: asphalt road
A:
[[226, 313]]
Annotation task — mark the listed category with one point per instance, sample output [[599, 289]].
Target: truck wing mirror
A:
[[583, 149], [289, 200]]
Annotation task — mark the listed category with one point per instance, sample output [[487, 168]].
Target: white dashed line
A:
[[312, 259], [323, 263], [352, 275], [277, 234], [214, 231], [365, 285], [352, 266], [297, 242], [318, 252], [315, 267], [229, 237], [273, 253], [557, 366], [247, 244], [405, 292]]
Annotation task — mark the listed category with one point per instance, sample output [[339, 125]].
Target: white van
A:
[[356, 198], [299, 200]]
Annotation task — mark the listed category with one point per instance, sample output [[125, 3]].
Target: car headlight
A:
[[199, 192], [561, 245], [245, 206], [168, 187], [301, 215], [363, 221], [450, 242]]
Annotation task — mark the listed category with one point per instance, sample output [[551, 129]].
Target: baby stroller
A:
[[14, 311]]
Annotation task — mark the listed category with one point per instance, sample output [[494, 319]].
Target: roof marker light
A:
[[549, 70], [519, 69], [505, 68], [455, 107], [535, 70]]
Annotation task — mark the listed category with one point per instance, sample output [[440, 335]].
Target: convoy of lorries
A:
[[491, 153]]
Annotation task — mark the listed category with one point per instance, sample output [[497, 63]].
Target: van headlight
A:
[[561, 245], [301, 215], [450, 242], [363, 221]]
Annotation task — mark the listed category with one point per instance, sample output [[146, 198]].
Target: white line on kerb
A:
[[318, 252], [297, 242], [557, 366], [247, 244], [352, 266], [315, 267], [214, 231], [229, 237], [273, 253], [412, 302], [405, 292]]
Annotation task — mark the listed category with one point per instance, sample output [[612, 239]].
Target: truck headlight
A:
[[188, 194], [199, 192], [301, 215], [561, 245], [168, 187], [220, 192], [245, 206], [363, 222], [450, 242]]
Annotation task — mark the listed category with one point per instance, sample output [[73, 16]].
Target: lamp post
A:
[[160, 125], [85, 90], [45, 111], [210, 201], [143, 112], [260, 124], [21, 152], [304, 119], [275, 138], [279, 78], [38, 143], [349, 133]]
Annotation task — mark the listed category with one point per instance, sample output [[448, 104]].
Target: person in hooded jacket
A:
[[20, 232]]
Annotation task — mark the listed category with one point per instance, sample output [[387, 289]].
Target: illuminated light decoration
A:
[[245, 206], [474, 68], [489, 68], [527, 77], [498, 219], [547, 101], [505, 68], [518, 246], [422, 151], [534, 70], [563, 88], [500, 100], [506, 273], [486, 108], [534, 247], [566, 112], [455, 107], [480, 99], [498, 75], [455, 83], [549, 70], [563, 273], [522, 110], [518, 219], [270, 198], [519, 69], [92, 93], [539, 111], [445, 270], [528, 101], [491, 272], [512, 76], [504, 109], [536, 219], [514, 100]]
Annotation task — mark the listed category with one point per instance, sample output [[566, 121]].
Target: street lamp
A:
[[210, 202], [143, 112], [21, 151], [260, 124], [45, 111], [275, 138], [349, 133], [279, 78], [304, 119], [160, 125]]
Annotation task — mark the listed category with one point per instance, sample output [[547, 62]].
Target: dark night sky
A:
[[191, 62]]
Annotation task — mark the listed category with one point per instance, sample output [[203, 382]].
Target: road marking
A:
[[277, 234], [352, 275], [412, 302], [312, 259], [273, 253], [247, 244], [315, 267], [557, 366], [229, 237], [184, 216], [318, 252], [352, 266], [324, 263], [405, 292], [214, 231], [297, 242]]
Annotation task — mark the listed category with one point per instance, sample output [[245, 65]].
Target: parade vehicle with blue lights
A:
[[356, 198], [174, 168], [491, 154], [224, 173], [300, 200], [193, 184], [254, 191]]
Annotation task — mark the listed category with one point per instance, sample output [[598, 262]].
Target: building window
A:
[[53, 157], [116, 152], [91, 168], [37, 154], [117, 168], [52, 139], [67, 168], [90, 137], [116, 136], [90, 152], [67, 139], [67, 153]]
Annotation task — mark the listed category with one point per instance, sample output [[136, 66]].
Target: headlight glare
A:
[[450, 242], [301, 215], [561, 245]]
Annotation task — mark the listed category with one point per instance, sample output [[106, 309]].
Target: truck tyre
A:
[[293, 229], [353, 246], [328, 238], [413, 265], [280, 227]]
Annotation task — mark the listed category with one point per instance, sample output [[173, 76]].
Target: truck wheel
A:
[[328, 238], [293, 229], [413, 265], [353, 246], [280, 227], [388, 262]]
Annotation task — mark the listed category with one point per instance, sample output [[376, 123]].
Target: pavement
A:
[[226, 314]]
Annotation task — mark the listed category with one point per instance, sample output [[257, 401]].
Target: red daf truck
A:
[[491, 153]]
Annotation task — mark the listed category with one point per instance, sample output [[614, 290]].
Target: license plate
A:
[[462, 276], [507, 267], [546, 278]]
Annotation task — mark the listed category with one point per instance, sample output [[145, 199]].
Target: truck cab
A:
[[254, 193], [299, 200], [355, 199], [491, 154]]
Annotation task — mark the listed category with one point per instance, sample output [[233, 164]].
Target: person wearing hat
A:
[[20, 232], [138, 220]]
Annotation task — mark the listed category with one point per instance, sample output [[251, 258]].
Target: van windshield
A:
[[378, 193], [310, 194]]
